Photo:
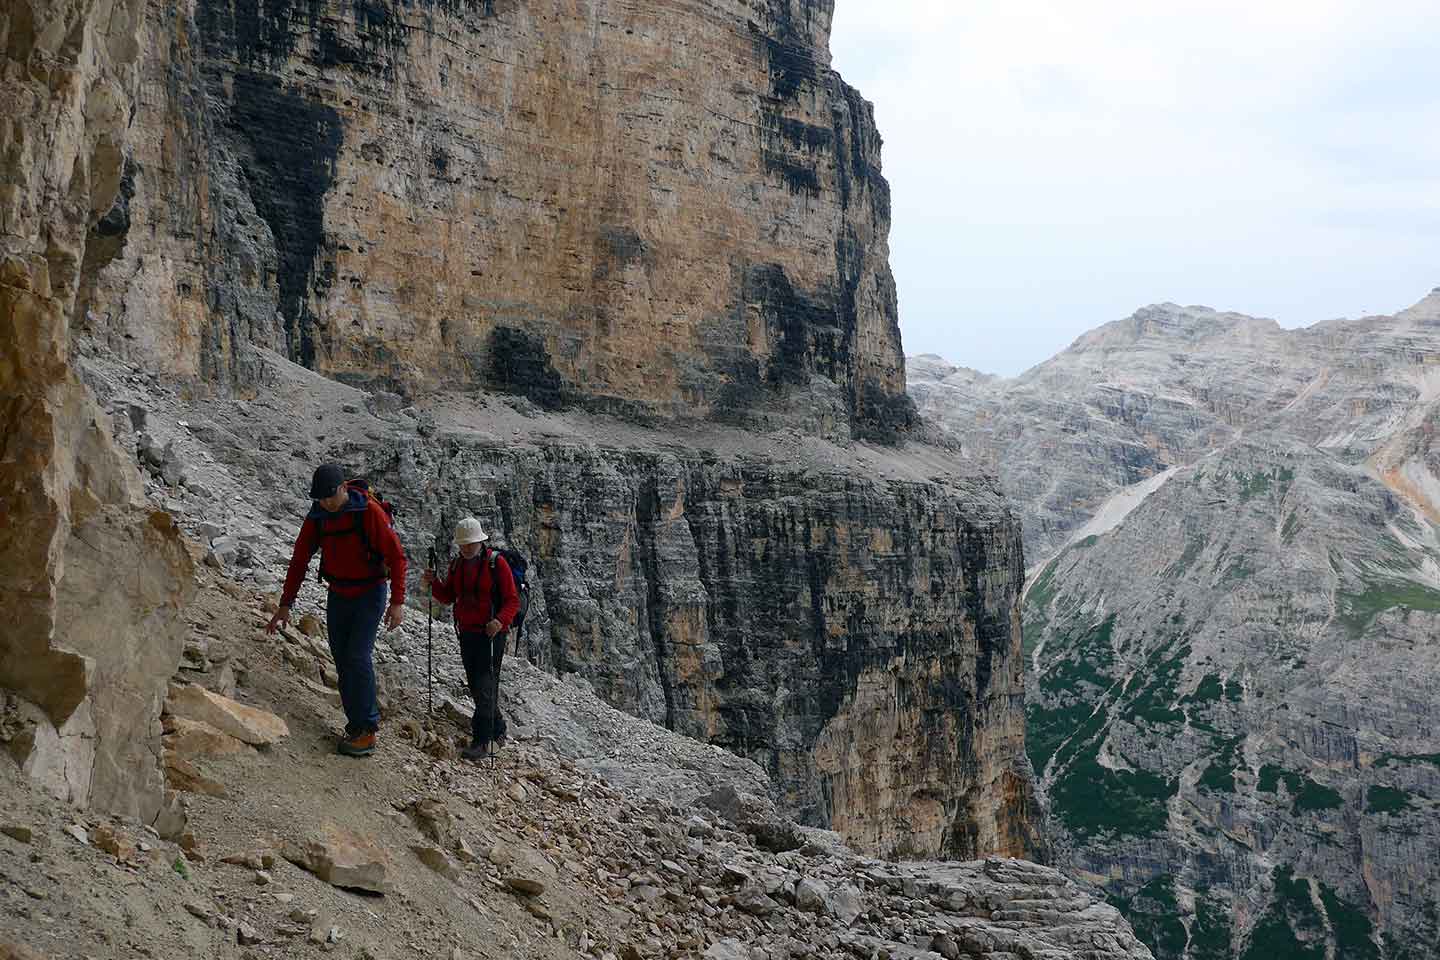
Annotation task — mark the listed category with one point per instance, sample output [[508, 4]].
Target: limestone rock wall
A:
[[860, 640], [663, 208], [90, 583]]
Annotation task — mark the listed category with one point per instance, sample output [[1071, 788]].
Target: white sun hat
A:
[[469, 531]]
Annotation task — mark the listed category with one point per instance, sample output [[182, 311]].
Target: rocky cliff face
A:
[[1122, 404], [670, 212], [663, 209], [855, 634], [1233, 661], [91, 581]]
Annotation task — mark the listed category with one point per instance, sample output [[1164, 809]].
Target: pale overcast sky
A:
[[1057, 164]]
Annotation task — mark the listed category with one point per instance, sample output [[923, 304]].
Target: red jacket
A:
[[349, 566], [470, 582]]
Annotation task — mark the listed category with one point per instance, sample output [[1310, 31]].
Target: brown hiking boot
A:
[[359, 745]]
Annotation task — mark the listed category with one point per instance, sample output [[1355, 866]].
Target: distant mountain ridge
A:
[[1231, 623]]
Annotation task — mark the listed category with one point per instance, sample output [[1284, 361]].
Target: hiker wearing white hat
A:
[[482, 587]]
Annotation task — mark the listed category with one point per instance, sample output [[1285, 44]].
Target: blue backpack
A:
[[516, 561]]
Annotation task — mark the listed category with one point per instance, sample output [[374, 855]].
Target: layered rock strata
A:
[[664, 208], [90, 580], [856, 634]]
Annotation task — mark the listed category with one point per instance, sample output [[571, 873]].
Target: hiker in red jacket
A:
[[359, 551], [482, 588]]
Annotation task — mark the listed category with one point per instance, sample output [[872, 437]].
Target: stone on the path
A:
[[529, 873], [845, 905], [18, 832], [754, 901], [811, 896], [113, 842], [436, 859], [249, 724], [182, 775], [79, 833], [729, 949], [341, 859], [191, 738], [310, 625]]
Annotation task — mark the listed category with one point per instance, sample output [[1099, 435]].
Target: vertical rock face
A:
[[859, 639], [90, 583], [662, 207], [669, 210]]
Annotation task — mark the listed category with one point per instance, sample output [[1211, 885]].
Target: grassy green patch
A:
[[1087, 542], [1358, 609], [1290, 928], [1210, 931], [1234, 691], [1388, 758], [1042, 591], [1381, 799], [1290, 527], [1210, 690], [1081, 659], [1154, 914], [1046, 730], [1091, 800], [1350, 927], [1305, 794], [1187, 559], [1238, 570], [1159, 691], [1220, 774]]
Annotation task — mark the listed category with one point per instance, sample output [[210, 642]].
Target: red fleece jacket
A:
[[468, 586], [343, 554]]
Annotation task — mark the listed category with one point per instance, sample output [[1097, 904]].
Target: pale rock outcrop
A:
[[259, 728], [341, 858], [91, 582]]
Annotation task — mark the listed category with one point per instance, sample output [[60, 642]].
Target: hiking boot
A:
[[476, 751], [499, 740], [359, 745]]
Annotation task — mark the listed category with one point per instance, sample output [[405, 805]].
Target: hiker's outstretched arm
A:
[[443, 588], [305, 545], [384, 535], [509, 596]]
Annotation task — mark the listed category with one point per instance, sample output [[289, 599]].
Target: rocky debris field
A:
[[565, 847]]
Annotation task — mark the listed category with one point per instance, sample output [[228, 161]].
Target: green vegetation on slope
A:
[[1291, 929], [1381, 799], [1220, 774], [1154, 915], [1305, 794], [1091, 800], [1358, 609]]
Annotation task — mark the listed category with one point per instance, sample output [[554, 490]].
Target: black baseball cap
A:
[[326, 481]]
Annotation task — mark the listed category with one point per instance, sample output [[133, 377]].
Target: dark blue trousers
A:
[[353, 623]]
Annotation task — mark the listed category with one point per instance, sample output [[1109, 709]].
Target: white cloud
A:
[[1057, 164]]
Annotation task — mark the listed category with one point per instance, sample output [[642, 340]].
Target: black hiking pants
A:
[[482, 656]]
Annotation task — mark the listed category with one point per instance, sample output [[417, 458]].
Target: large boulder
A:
[[341, 859]]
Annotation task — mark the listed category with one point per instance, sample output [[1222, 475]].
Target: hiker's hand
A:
[[492, 628], [394, 617], [428, 578], [281, 616]]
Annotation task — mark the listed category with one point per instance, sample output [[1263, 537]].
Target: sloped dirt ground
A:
[[631, 865]]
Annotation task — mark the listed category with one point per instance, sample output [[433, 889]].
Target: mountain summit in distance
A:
[[1231, 620]]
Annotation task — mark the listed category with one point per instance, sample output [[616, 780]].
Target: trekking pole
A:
[[430, 644]]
